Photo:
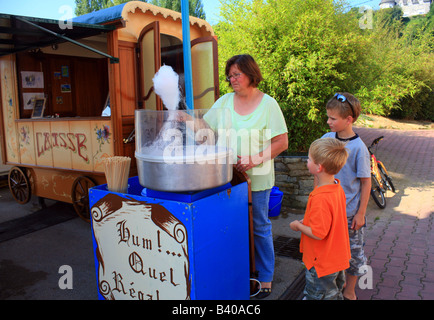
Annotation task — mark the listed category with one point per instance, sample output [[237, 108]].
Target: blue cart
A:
[[158, 245]]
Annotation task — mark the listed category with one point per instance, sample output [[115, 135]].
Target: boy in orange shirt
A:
[[324, 239]]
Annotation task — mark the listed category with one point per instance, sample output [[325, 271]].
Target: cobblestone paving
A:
[[399, 240]]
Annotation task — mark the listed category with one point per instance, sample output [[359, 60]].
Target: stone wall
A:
[[294, 180]]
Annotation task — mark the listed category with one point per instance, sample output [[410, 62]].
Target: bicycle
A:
[[381, 180]]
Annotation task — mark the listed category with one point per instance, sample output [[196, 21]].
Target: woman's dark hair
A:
[[248, 66]]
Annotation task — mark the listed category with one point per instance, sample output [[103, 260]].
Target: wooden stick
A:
[[117, 171]]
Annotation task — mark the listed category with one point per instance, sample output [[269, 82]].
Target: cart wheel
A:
[[19, 185], [80, 196]]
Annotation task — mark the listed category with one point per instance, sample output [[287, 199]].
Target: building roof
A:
[[120, 12]]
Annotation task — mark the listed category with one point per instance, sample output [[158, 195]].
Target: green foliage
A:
[[301, 47], [309, 49], [418, 35], [398, 74]]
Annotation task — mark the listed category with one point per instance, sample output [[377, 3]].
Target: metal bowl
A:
[[175, 174]]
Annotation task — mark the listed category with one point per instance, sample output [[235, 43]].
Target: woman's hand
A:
[[245, 163]]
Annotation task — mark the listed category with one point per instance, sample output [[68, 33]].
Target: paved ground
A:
[[400, 241], [35, 243], [398, 246]]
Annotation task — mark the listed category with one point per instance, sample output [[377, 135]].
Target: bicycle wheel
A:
[[377, 193], [386, 178]]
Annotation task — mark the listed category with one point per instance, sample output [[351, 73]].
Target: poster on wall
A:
[[65, 71], [32, 80], [29, 99], [65, 88]]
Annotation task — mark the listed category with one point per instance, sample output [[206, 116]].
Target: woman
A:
[[262, 135]]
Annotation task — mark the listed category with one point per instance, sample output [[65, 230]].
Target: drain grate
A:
[[287, 247], [295, 290]]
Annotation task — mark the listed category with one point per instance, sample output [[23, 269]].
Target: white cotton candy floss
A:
[[166, 85]]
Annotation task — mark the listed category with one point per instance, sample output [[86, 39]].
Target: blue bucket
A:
[[275, 203]]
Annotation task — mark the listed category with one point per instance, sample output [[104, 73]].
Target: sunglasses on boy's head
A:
[[342, 99]]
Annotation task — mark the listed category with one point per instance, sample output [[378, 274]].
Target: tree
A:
[[303, 48], [397, 71], [418, 40]]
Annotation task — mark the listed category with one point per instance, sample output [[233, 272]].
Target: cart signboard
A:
[[68, 144], [142, 250]]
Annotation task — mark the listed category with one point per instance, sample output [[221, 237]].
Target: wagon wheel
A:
[[80, 196], [19, 185]]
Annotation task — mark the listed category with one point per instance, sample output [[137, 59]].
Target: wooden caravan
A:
[[68, 95]]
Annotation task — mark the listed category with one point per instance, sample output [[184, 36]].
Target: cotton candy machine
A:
[[180, 151]]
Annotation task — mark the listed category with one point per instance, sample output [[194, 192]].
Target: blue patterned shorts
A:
[[358, 258]]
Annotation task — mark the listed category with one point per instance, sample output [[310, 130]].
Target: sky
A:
[[64, 9]]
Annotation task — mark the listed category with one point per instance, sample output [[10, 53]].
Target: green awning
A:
[[20, 33]]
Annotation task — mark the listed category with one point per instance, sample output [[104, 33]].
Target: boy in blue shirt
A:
[[342, 111]]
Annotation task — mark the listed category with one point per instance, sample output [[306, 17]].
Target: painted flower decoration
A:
[[102, 135], [105, 133], [25, 135]]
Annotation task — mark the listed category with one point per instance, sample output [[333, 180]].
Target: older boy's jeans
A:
[[263, 237], [328, 287]]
